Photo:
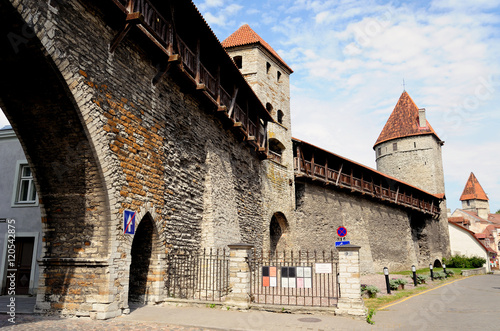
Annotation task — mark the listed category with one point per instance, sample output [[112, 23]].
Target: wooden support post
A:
[[130, 6], [233, 102], [218, 86], [312, 165], [397, 193], [340, 174], [197, 74], [326, 169]]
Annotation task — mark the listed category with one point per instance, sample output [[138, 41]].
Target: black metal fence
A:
[[300, 279], [199, 276]]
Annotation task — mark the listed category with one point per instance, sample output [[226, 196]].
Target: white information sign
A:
[[323, 268]]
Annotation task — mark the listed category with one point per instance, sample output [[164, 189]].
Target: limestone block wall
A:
[[388, 236], [153, 149], [417, 160]]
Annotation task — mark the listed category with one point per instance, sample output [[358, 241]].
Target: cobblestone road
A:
[[35, 322]]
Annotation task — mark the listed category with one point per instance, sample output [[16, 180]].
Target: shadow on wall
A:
[[42, 111]]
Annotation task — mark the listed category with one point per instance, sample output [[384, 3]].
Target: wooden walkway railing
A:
[[146, 17], [336, 177]]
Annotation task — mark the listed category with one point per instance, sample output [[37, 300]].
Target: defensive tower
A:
[[269, 75], [474, 198], [409, 149]]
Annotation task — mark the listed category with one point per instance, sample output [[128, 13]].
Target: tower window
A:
[[394, 146], [280, 117], [268, 67], [278, 76], [269, 108], [415, 145], [238, 60], [379, 151]]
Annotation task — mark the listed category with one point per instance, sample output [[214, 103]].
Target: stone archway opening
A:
[[145, 280], [278, 229], [37, 99], [437, 264]]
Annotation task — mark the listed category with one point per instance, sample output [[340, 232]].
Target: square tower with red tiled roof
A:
[[474, 198], [269, 76]]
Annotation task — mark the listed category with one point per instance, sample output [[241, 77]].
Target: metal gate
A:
[[199, 276], [300, 279]]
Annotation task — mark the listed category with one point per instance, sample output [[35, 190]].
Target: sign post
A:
[[342, 232]]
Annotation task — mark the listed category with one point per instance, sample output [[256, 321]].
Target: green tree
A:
[[498, 211]]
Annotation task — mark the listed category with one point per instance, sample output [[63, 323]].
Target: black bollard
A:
[[444, 270], [432, 272], [386, 273], [414, 270]]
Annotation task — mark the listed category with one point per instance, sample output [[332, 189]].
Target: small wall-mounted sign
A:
[[3, 220], [129, 221]]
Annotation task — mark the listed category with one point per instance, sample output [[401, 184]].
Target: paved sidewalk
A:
[[173, 317]]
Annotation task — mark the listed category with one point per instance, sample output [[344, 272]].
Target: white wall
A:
[[462, 242]]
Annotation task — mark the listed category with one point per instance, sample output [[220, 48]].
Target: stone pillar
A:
[[350, 301], [239, 275]]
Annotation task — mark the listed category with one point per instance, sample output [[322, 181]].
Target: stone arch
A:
[[146, 267], [278, 231], [37, 99], [437, 264]]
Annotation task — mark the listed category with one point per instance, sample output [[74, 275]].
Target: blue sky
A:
[[350, 58]]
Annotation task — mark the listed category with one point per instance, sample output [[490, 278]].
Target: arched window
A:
[[275, 149], [277, 232], [238, 60], [269, 108], [280, 117]]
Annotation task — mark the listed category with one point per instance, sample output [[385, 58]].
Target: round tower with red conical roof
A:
[[409, 149]]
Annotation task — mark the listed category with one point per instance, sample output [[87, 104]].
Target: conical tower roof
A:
[[404, 122], [473, 190], [246, 36]]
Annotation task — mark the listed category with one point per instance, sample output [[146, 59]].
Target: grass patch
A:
[[375, 303], [427, 272]]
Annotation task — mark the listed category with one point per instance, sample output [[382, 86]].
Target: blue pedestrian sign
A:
[[342, 243], [129, 222]]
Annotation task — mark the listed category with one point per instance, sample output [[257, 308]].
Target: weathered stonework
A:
[[390, 236], [103, 136]]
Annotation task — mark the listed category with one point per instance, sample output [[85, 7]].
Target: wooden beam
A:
[[159, 75], [233, 102], [119, 37], [197, 73], [340, 174], [397, 194], [174, 58]]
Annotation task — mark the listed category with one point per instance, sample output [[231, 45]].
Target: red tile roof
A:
[[495, 218], [473, 190], [246, 36], [404, 122], [458, 219]]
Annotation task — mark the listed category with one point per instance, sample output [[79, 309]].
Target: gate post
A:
[[350, 301], [239, 275]]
